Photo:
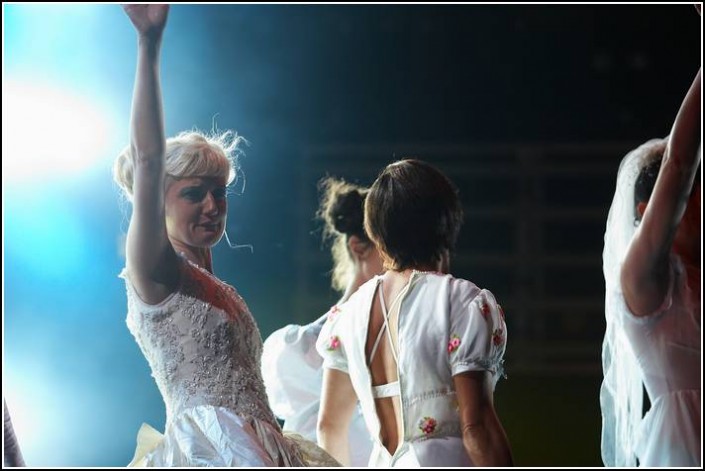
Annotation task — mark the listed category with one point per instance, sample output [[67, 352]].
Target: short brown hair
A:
[[413, 214]]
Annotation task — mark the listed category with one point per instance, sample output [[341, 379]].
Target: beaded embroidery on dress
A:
[[203, 347]]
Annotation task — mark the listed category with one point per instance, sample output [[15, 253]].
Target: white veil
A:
[[621, 393]]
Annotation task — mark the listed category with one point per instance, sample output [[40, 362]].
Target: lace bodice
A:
[[202, 345]]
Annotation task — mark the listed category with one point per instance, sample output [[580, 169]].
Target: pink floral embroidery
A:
[[453, 343], [333, 312], [501, 311], [427, 425], [334, 343], [485, 309], [497, 337]]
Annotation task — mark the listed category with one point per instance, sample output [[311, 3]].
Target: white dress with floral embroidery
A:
[[446, 326], [204, 348]]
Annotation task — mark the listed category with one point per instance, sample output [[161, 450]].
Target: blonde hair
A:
[[342, 211], [188, 154]]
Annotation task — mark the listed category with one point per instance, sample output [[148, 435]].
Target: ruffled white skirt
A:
[[216, 436]]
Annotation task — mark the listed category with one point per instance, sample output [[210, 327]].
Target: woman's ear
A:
[[358, 248], [640, 209], [444, 265]]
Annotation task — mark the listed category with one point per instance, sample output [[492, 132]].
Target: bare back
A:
[[380, 352]]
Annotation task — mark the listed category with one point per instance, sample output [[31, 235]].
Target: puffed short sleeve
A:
[[478, 334], [330, 342]]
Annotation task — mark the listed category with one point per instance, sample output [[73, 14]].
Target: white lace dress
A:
[[204, 348]]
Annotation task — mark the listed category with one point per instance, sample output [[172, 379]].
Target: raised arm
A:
[[338, 402], [645, 273], [151, 259], [483, 436]]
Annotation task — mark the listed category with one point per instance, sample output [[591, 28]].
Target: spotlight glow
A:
[[48, 132], [37, 406]]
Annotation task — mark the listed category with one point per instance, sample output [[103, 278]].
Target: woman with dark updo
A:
[[291, 367]]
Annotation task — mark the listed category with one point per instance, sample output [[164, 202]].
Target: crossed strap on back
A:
[[389, 389]]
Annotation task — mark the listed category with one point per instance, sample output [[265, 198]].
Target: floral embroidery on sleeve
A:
[[453, 343], [498, 337], [501, 311], [333, 343], [334, 311], [427, 425], [485, 309]]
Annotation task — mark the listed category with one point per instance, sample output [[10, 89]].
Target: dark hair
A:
[[645, 181], [342, 211], [648, 174], [413, 214]]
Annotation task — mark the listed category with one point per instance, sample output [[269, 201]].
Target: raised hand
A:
[[149, 20]]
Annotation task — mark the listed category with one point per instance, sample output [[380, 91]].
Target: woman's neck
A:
[[438, 267], [358, 280], [198, 255]]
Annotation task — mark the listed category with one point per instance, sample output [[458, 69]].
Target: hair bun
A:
[[347, 212], [342, 207]]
